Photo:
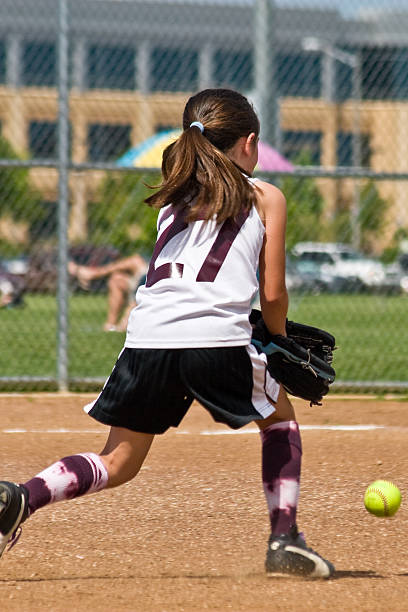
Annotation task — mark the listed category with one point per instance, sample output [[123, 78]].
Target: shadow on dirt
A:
[[356, 574]]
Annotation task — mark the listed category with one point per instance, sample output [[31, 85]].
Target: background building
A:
[[133, 63]]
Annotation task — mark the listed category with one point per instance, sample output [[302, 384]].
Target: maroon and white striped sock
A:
[[281, 465], [68, 478]]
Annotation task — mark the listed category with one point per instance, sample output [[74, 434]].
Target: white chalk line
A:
[[255, 430], [205, 432], [62, 430]]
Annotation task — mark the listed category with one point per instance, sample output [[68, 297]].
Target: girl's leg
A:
[[120, 460], [77, 475], [124, 454], [281, 464], [287, 552]]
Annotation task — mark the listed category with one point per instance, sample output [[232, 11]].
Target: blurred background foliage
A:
[[20, 205], [120, 217]]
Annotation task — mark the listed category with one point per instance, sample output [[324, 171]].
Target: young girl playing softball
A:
[[189, 336]]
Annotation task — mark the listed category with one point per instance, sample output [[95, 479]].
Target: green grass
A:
[[371, 333], [28, 338]]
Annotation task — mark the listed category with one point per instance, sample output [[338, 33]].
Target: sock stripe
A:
[[99, 471], [68, 478]]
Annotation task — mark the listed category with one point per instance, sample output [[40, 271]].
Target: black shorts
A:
[[151, 390]]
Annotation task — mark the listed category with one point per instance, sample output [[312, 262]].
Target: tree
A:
[[305, 205], [120, 217], [19, 203], [371, 217], [372, 209], [395, 247]]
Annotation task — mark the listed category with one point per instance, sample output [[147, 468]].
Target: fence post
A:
[[63, 162], [266, 91]]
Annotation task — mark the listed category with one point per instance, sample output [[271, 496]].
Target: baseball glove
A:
[[301, 361]]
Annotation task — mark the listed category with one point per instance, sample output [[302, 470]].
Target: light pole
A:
[[330, 53]]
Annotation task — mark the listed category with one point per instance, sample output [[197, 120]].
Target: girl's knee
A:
[[124, 453], [284, 411], [120, 469]]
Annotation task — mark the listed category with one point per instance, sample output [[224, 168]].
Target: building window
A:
[[298, 74], [377, 73], [174, 69], [43, 139], [107, 142], [2, 61], [302, 147], [400, 74], [234, 69], [39, 64], [343, 81], [345, 149], [111, 67], [384, 73]]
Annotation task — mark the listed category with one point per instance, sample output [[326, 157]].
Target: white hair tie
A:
[[198, 124]]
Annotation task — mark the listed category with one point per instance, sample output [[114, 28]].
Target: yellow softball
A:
[[382, 498]]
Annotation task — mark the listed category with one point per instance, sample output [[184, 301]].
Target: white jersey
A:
[[200, 284]]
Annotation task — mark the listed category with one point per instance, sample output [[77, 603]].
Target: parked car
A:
[[294, 280], [403, 262], [342, 262], [316, 278], [396, 278]]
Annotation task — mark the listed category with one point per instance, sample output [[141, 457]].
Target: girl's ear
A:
[[250, 142]]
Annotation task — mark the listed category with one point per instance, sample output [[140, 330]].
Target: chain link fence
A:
[[91, 91]]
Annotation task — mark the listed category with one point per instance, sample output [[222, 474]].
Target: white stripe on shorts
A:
[[265, 386], [88, 407]]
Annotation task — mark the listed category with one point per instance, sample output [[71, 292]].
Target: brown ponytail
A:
[[196, 165]]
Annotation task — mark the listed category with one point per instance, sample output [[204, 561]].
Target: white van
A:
[[343, 261]]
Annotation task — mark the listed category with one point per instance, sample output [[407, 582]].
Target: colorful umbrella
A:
[[148, 154]]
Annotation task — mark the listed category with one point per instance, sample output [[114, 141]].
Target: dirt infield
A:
[[189, 533]]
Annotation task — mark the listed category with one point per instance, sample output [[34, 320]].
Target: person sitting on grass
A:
[[125, 275]]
